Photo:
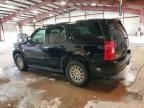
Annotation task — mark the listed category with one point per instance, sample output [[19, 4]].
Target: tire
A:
[[77, 73], [20, 62]]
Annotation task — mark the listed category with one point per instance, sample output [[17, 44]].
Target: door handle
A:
[[43, 48], [61, 46]]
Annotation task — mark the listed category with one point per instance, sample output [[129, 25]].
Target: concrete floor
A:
[[41, 89]]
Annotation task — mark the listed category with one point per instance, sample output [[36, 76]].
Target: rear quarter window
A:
[[86, 30]]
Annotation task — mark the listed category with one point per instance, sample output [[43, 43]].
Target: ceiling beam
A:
[[38, 5], [142, 16], [104, 2], [2, 1], [42, 16], [44, 2], [96, 8], [107, 8], [133, 2], [89, 1]]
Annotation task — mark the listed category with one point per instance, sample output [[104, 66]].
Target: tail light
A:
[[109, 50]]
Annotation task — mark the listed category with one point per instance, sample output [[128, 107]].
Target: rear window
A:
[[118, 26], [86, 30], [110, 26]]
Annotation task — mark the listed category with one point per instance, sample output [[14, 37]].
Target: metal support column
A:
[[20, 27], [103, 14], [0, 29], [85, 14], [69, 16], [123, 17], [55, 20], [120, 8], [142, 22], [0, 33], [34, 25]]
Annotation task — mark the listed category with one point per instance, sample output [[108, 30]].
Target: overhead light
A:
[[34, 11], [63, 3], [100, 5], [8, 6], [93, 4], [50, 14], [78, 4], [16, 19], [108, 5], [34, 21]]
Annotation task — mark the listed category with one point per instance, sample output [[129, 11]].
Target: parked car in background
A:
[[22, 37]]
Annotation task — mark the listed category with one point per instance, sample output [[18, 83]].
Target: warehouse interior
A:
[[29, 15], [42, 89]]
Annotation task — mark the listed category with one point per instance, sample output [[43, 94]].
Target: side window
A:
[[83, 30], [39, 36], [56, 34]]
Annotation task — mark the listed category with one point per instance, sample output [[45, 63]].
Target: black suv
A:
[[80, 50]]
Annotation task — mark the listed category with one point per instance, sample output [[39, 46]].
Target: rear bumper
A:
[[109, 68]]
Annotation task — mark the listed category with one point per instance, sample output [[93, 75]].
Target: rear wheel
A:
[[20, 62], [77, 73]]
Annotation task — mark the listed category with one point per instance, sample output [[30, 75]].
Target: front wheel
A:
[[76, 73], [20, 62]]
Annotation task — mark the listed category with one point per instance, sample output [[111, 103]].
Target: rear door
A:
[[56, 38]]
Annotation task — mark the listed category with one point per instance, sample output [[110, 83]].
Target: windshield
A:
[[87, 31]]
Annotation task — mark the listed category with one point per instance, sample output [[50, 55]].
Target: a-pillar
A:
[[142, 21]]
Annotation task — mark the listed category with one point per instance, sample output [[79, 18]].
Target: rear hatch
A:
[[118, 34]]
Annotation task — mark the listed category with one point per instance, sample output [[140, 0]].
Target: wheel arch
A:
[[74, 57], [19, 52]]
